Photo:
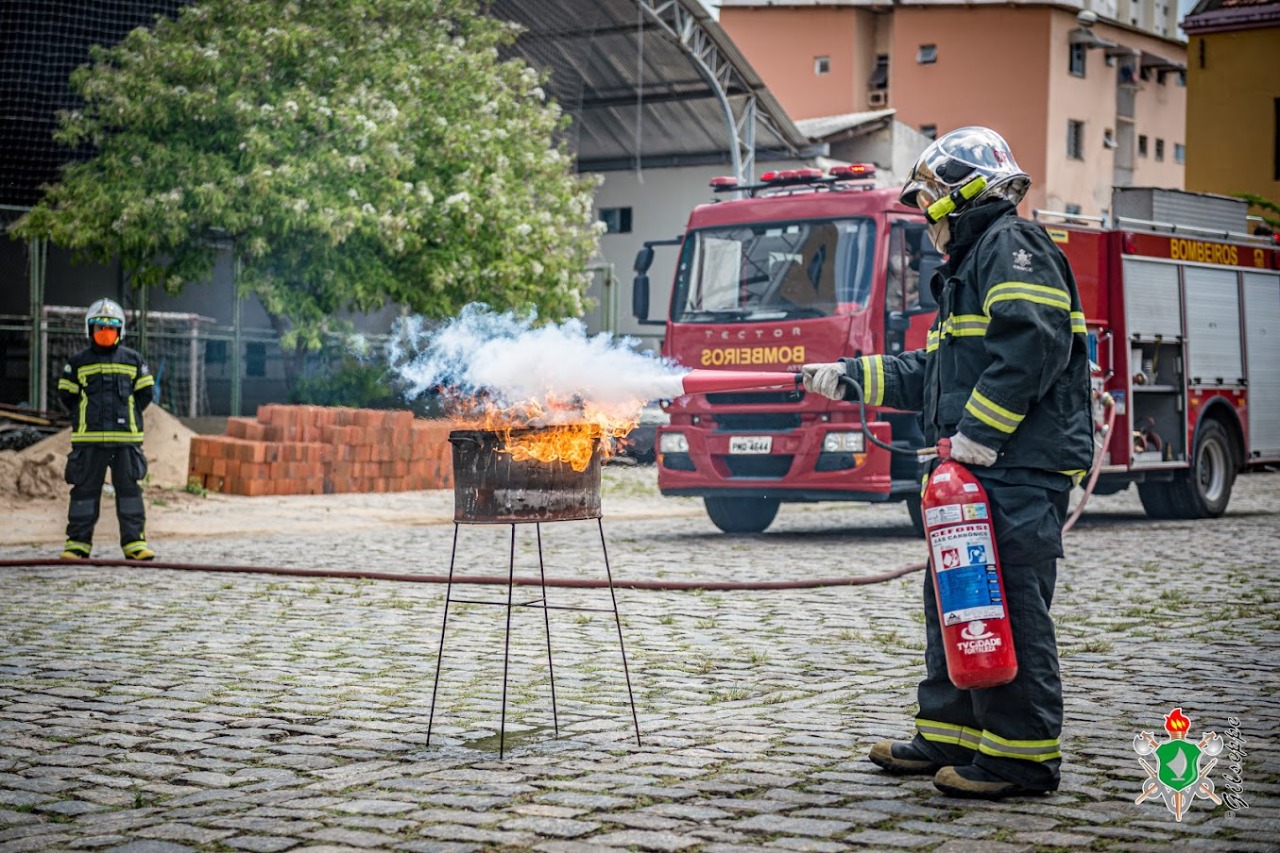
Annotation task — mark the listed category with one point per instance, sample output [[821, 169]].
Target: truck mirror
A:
[[640, 291], [644, 260], [897, 321]]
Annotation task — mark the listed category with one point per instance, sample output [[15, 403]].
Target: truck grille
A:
[[758, 467], [755, 398], [757, 422]]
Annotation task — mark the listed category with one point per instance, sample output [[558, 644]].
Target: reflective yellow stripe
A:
[[931, 342], [133, 419], [106, 437], [1076, 475], [873, 379], [1027, 750], [68, 385], [134, 547], [73, 545], [950, 733], [144, 382], [965, 325], [994, 416], [1078, 326], [91, 369], [1038, 293]]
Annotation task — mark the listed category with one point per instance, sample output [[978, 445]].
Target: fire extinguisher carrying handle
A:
[[922, 453]]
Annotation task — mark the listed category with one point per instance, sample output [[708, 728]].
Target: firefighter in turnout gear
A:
[[106, 387], [1005, 375]]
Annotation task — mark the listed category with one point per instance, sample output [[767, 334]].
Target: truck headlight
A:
[[843, 442], [673, 442]]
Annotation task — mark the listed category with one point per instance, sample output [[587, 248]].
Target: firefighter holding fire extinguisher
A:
[[1004, 376]]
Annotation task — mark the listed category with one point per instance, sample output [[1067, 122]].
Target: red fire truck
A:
[[803, 267]]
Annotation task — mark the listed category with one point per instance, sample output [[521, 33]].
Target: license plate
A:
[[747, 444]]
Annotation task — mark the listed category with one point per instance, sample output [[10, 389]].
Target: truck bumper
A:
[[794, 469]]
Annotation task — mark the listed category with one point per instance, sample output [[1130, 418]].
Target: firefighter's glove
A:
[[825, 379], [969, 452]]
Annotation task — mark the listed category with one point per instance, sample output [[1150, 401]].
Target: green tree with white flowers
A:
[[352, 152]]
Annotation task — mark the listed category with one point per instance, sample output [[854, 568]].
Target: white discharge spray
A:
[[508, 359]]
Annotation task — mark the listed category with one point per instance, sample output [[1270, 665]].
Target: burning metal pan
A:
[[491, 486]]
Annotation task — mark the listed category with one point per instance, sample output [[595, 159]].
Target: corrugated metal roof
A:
[[826, 126], [634, 91]]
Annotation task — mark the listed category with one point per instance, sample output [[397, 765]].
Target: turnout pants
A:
[[86, 471], [1011, 731]]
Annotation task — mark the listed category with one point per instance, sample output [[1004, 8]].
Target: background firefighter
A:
[[106, 387], [1005, 375]]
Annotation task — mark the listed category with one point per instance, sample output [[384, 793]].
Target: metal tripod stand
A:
[[538, 603]]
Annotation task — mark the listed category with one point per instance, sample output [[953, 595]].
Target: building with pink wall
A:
[[1085, 102]]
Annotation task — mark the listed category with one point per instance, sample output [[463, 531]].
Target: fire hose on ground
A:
[[585, 583]]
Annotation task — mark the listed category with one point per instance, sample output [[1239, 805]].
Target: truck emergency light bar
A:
[[807, 177]]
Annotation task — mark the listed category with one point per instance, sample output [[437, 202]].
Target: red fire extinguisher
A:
[[966, 577]]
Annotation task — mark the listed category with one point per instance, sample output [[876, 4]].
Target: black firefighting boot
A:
[[974, 782], [75, 550], [902, 757]]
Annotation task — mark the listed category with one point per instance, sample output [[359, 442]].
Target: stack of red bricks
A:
[[313, 450]]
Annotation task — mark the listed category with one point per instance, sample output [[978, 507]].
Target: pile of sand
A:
[[36, 472]]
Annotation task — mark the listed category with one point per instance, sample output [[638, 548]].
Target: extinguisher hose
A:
[[1110, 405], [579, 583], [927, 452]]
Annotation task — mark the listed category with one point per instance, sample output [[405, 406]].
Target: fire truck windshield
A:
[[774, 271]]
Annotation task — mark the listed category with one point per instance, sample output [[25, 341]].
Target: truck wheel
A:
[[742, 515], [917, 514], [1204, 490]]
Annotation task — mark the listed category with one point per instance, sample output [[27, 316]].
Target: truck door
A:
[[909, 305]]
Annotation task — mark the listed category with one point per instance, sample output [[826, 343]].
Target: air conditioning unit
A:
[[878, 97]]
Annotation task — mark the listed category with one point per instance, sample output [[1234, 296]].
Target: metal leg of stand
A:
[[546, 619], [617, 620], [506, 649], [448, 592]]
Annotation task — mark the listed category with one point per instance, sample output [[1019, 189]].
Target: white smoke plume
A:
[[509, 360]]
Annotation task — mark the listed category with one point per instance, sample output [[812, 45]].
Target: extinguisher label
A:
[[945, 514], [963, 562]]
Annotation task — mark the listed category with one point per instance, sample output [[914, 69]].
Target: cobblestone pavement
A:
[[156, 711]]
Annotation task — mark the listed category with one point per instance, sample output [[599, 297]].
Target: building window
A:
[[821, 65], [1160, 150], [215, 352], [617, 220], [1075, 139], [927, 54], [880, 74], [1074, 209], [1076, 65], [255, 359], [1179, 152], [929, 130], [1180, 78], [1109, 139], [1142, 145]]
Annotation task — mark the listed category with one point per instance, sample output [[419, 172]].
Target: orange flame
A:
[[1176, 724], [562, 431]]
